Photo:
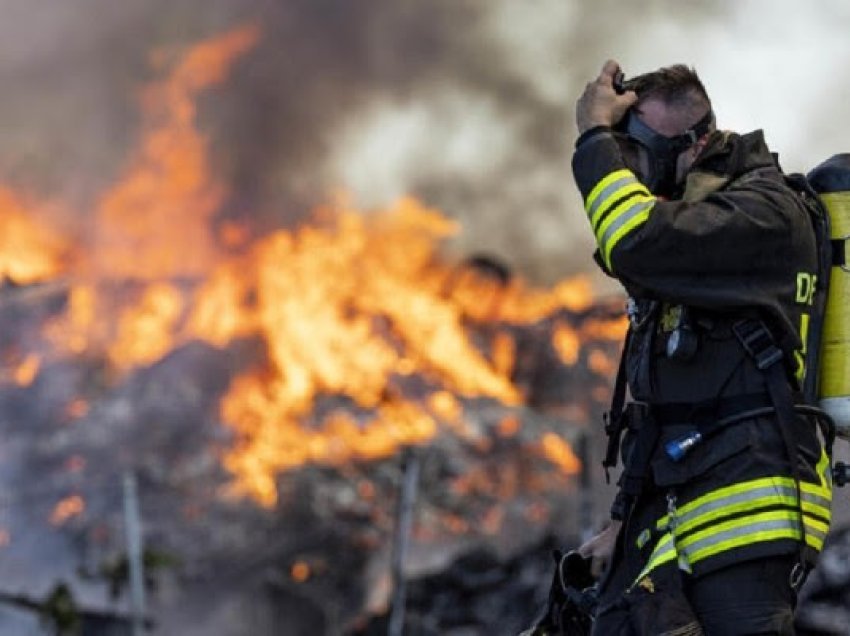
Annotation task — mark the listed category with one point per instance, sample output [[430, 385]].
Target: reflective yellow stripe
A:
[[824, 471], [720, 509], [815, 497], [604, 183], [611, 225], [757, 527], [637, 220], [605, 204], [820, 511], [725, 511], [619, 214], [819, 525], [787, 518], [800, 354], [747, 539], [664, 552], [767, 526]]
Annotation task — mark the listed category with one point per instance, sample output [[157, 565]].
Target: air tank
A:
[[831, 180]]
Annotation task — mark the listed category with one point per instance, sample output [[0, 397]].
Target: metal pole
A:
[[585, 485], [401, 540], [133, 529]]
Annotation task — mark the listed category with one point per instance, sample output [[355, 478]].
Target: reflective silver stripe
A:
[[748, 498], [745, 530], [741, 536], [611, 195], [602, 198], [722, 531], [623, 218], [814, 531], [775, 490], [812, 494]]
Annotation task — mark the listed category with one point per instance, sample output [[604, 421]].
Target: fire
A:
[[557, 451], [155, 223], [567, 343], [76, 409], [300, 571], [27, 370], [66, 509], [509, 426], [354, 308], [613, 329], [146, 330], [601, 363], [358, 304], [30, 251], [486, 296]]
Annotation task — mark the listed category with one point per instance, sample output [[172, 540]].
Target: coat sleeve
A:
[[722, 246]]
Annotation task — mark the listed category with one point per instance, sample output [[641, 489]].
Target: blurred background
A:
[[465, 104], [277, 271]]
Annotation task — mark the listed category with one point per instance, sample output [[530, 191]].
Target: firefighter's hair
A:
[[677, 86]]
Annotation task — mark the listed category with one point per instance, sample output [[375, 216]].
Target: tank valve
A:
[[840, 474]]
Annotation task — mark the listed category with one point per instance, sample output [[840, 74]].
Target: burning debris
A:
[[262, 388], [263, 385]]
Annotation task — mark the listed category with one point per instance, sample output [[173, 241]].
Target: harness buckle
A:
[[755, 337]]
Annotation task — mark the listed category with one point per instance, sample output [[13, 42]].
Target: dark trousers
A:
[[749, 598]]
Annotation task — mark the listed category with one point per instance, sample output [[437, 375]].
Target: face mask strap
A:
[[694, 134]]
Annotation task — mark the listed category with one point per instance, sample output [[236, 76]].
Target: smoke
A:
[[465, 104]]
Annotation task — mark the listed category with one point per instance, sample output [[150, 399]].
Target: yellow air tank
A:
[[831, 180]]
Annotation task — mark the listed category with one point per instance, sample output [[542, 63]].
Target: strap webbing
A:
[[759, 344], [614, 417], [839, 252]]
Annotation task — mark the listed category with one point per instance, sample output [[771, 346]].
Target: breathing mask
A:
[[652, 156]]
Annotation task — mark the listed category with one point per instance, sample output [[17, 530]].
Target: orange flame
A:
[[76, 408], [27, 370], [29, 250], [600, 362], [359, 300], [69, 507], [567, 343], [557, 451], [155, 223], [349, 306], [146, 330], [300, 571]]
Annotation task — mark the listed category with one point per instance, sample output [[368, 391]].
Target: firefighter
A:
[[724, 498]]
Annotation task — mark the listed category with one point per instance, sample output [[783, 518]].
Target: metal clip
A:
[[672, 523], [797, 576]]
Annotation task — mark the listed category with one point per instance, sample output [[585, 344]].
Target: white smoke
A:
[[467, 105], [771, 64]]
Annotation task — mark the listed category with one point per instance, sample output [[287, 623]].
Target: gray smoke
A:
[[466, 104]]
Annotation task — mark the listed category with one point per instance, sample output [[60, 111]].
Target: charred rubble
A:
[[317, 562]]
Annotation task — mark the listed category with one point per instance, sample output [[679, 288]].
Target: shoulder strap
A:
[[614, 421], [757, 341]]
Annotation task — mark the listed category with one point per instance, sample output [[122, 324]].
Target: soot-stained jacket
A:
[[738, 242], [736, 239]]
